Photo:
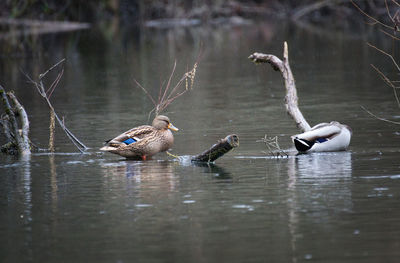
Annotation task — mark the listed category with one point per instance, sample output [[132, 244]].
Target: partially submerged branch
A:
[[222, 147], [18, 138], [46, 95], [291, 99], [273, 146]]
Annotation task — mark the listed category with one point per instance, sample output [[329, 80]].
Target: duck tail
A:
[[302, 145], [107, 148]]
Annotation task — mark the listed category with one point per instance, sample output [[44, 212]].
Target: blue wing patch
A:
[[129, 141], [321, 140]]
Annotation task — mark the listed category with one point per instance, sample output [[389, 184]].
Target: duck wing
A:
[[131, 136], [320, 131]]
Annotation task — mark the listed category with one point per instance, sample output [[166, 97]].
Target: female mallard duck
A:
[[324, 137], [144, 141]]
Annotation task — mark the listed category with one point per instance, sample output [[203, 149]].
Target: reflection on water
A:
[[245, 208], [324, 166]]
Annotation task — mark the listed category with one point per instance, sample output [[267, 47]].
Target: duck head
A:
[[162, 122]]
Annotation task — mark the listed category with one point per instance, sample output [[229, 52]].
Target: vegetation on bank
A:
[[137, 11]]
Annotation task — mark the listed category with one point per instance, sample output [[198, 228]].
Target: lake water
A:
[[248, 206]]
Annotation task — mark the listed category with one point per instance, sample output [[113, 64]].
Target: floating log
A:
[[222, 147]]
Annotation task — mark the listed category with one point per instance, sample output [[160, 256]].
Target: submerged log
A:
[[222, 147], [291, 99]]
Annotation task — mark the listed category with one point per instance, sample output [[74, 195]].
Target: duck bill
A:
[[172, 127]]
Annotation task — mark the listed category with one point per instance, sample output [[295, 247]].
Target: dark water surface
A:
[[248, 207]]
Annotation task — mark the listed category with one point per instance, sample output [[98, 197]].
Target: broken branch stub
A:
[[291, 99], [222, 147], [18, 140]]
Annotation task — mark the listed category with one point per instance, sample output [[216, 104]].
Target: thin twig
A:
[[388, 12], [53, 86], [385, 53], [389, 83], [388, 34], [379, 118], [40, 87], [51, 68], [371, 17], [145, 91], [167, 94], [169, 83], [273, 146]]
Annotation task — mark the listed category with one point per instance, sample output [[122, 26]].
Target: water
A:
[[249, 206]]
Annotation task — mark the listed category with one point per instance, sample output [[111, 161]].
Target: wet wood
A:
[[18, 139], [24, 145], [219, 149], [291, 99]]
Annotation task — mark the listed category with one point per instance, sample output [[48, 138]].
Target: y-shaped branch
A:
[[291, 99]]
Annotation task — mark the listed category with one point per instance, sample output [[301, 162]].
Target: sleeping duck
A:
[[144, 141], [324, 137]]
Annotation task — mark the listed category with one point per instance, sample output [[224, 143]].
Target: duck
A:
[[144, 141], [324, 137]]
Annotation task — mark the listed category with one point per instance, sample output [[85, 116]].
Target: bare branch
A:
[[379, 118], [53, 86], [387, 54], [395, 2], [40, 87], [388, 12], [371, 17], [291, 99], [388, 34], [167, 95], [145, 91], [50, 69], [388, 82], [273, 146], [169, 83]]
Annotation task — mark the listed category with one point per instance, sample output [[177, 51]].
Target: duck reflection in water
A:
[[154, 173]]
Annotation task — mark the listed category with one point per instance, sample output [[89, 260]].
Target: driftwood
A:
[[291, 99], [217, 150], [18, 139]]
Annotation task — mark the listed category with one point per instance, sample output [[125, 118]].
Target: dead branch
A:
[[376, 21], [42, 91], [291, 99], [25, 146], [389, 83], [222, 147], [16, 139], [379, 118], [273, 146]]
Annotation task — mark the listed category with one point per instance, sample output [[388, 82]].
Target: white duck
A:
[[324, 137]]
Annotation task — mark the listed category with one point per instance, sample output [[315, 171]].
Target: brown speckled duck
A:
[[144, 141]]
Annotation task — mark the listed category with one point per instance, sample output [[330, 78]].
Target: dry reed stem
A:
[[52, 131], [167, 94]]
